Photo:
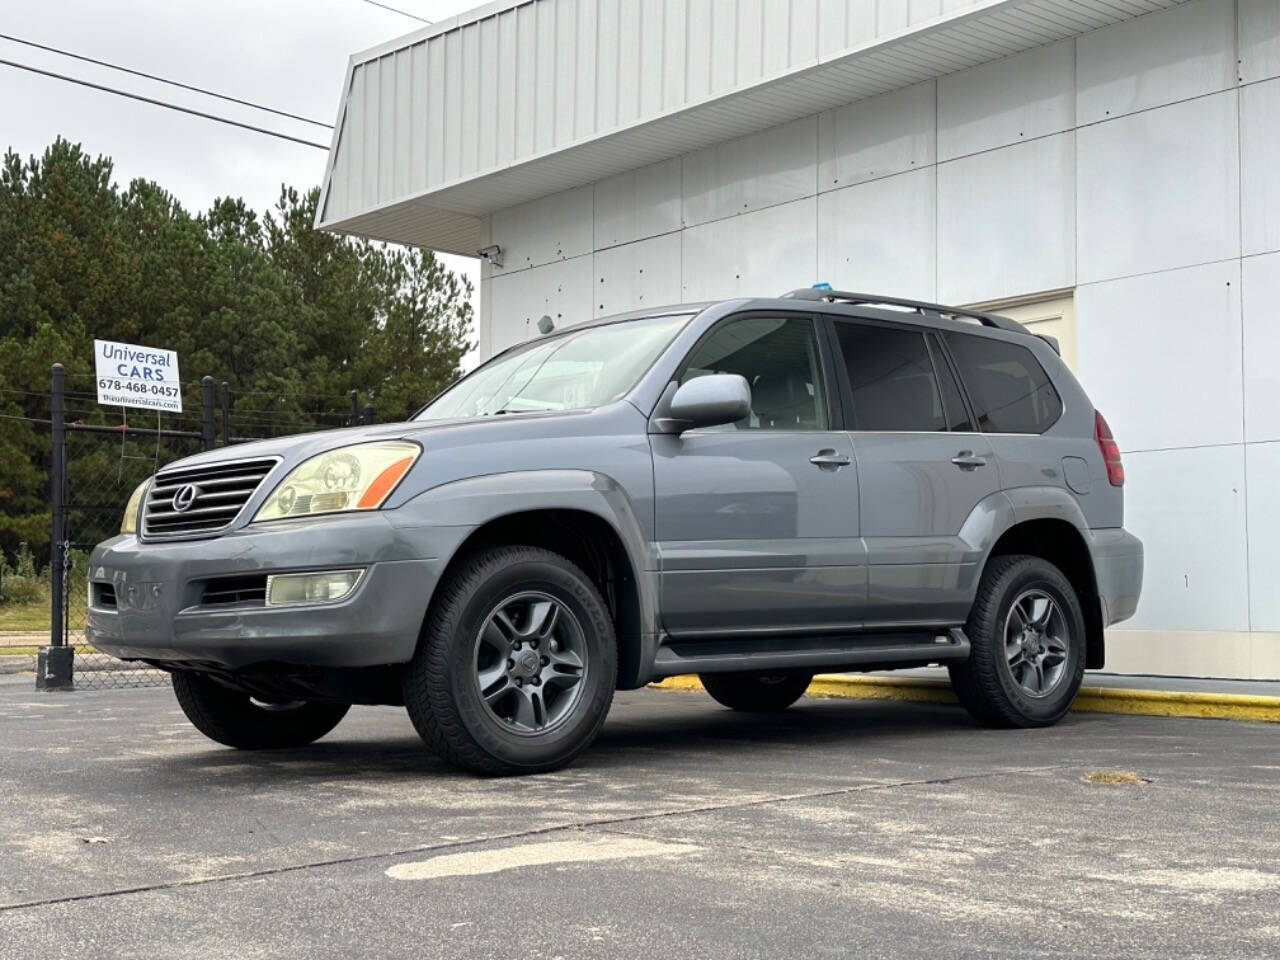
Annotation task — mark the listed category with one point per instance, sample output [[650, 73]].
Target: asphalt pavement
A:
[[841, 828]]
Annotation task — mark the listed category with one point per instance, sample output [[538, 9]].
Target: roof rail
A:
[[919, 306]]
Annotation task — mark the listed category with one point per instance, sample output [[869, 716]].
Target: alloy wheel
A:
[[530, 662], [1036, 642]]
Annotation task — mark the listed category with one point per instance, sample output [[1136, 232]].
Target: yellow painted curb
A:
[[1163, 703]]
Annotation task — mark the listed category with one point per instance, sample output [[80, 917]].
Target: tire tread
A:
[[746, 691], [229, 718], [977, 681], [426, 692]]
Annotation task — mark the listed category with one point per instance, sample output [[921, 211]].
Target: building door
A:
[[757, 521], [922, 468], [1052, 314]]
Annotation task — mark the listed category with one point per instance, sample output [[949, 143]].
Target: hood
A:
[[297, 447]]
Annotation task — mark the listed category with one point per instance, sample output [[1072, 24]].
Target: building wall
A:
[[1138, 166], [513, 80]]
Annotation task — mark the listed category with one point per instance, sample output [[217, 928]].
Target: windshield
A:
[[574, 371]]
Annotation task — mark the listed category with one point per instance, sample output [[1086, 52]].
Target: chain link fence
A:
[[99, 457], [102, 471]]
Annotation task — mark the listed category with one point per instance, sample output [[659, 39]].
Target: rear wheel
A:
[[516, 666], [756, 692], [237, 720], [1028, 645]]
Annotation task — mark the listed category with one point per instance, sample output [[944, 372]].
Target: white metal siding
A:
[[1260, 164], [1131, 171], [1007, 219], [882, 235], [1261, 282], [528, 97]]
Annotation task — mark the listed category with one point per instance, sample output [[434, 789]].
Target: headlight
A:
[[130, 522], [360, 477]]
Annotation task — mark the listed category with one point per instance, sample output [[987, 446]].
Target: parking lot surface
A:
[[838, 829]]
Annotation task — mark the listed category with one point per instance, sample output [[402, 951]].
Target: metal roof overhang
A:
[[450, 216]]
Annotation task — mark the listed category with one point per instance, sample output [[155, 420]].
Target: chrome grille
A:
[[197, 501]]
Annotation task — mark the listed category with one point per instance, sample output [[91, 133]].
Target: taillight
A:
[[1110, 449]]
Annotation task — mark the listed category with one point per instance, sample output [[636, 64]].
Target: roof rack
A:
[[919, 306]]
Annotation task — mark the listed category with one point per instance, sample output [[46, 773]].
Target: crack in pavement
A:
[[530, 832]]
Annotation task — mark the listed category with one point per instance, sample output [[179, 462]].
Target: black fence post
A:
[[225, 404], [55, 668], [206, 413], [355, 408], [368, 413]]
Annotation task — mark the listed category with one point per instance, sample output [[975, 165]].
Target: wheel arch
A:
[[584, 516], [1060, 542]]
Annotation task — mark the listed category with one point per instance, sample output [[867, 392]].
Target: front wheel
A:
[[516, 666], [757, 692], [237, 720], [1027, 636]]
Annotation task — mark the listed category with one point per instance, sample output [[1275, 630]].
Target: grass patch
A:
[[33, 617], [1123, 778]]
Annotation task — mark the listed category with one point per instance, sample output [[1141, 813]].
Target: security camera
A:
[[491, 254]]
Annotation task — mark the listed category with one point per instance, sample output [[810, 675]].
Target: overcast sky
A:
[[287, 54]]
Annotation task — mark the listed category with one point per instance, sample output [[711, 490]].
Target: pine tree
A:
[[293, 319]]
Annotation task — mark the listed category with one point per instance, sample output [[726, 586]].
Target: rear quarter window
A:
[[1009, 389]]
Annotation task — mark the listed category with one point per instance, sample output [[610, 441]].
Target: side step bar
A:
[[880, 651]]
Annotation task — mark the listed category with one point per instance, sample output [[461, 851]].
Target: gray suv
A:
[[750, 490]]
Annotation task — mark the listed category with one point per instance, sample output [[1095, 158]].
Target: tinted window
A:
[[891, 378], [778, 356], [952, 401], [1009, 389]]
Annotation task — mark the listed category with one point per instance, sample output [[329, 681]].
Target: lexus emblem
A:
[[185, 497]]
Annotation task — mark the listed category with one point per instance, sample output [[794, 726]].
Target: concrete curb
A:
[[19, 664], [1162, 703]]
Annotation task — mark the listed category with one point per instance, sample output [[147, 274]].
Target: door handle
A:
[[829, 458], [966, 460]]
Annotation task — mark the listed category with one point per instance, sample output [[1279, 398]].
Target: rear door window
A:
[[891, 379], [1008, 388]]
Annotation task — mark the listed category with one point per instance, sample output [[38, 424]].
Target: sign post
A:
[[55, 663], [132, 376]]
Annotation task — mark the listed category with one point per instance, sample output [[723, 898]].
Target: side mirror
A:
[[709, 401]]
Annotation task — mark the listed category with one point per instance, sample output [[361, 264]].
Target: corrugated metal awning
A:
[[525, 98]]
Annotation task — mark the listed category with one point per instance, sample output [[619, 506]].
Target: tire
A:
[[758, 692], [998, 683], [235, 720], [501, 637]]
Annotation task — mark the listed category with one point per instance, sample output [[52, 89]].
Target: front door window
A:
[[778, 356]]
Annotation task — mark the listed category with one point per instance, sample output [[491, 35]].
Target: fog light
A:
[[325, 587]]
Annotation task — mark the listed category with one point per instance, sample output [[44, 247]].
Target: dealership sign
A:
[[133, 376]]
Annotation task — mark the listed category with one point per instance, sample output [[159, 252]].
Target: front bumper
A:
[[1117, 566], [158, 587]]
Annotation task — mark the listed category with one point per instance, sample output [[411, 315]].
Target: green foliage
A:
[[78, 578], [293, 319], [20, 582]]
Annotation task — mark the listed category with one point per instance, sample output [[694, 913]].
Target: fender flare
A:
[[1001, 512], [473, 502]]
